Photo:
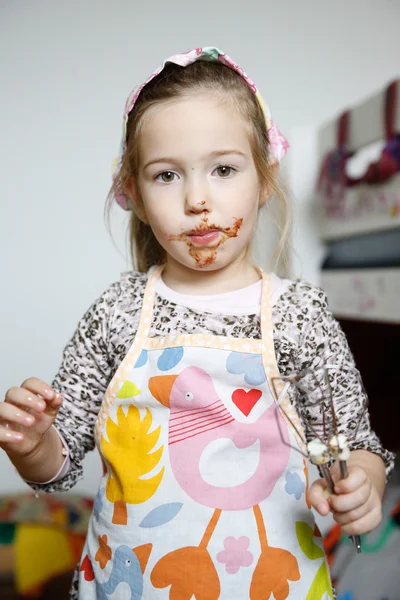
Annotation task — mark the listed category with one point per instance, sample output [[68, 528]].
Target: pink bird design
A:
[[200, 422], [198, 417]]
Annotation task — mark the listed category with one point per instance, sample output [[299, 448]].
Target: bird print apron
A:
[[204, 491]]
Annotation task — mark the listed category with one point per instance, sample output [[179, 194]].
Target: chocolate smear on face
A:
[[206, 256]]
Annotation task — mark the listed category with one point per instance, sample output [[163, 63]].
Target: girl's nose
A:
[[197, 199]]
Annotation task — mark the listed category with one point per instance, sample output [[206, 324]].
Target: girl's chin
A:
[[210, 260]]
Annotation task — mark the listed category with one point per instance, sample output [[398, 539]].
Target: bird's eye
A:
[[189, 396], [128, 562]]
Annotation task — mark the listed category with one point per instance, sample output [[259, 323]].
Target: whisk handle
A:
[[343, 474]]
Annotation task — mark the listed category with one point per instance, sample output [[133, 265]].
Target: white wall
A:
[[66, 68]]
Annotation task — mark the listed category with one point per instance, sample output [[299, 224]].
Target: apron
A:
[[204, 491]]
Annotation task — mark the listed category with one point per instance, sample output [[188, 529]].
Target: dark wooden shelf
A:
[[376, 349]]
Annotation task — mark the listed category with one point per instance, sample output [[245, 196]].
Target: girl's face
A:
[[197, 181]]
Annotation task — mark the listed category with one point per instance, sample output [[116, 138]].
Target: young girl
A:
[[170, 372]]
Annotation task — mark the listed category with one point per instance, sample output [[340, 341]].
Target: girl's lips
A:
[[203, 239]]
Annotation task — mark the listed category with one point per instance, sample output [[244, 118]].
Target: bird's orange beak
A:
[[143, 553], [161, 386]]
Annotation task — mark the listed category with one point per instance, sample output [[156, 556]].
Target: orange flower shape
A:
[[104, 553]]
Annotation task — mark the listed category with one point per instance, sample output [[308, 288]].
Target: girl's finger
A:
[[13, 414], [355, 479], [318, 497], [53, 405], [345, 518], [343, 503], [39, 387], [28, 399], [25, 398], [43, 390], [366, 524], [8, 435]]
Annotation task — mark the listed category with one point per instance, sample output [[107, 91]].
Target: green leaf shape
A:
[[128, 390], [305, 535], [321, 584]]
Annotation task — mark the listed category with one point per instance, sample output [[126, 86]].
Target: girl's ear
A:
[[265, 195], [133, 193], [267, 186]]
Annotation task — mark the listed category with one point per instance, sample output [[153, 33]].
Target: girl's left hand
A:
[[356, 504]]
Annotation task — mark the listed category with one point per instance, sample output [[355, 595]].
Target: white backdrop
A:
[[66, 69]]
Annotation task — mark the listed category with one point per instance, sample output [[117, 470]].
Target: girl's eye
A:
[[224, 171], [166, 176]]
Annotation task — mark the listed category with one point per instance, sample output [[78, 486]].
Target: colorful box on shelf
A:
[[371, 202], [364, 294], [365, 209]]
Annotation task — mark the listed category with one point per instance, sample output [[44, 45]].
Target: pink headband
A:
[[278, 145]]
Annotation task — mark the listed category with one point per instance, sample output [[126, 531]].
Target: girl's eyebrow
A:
[[160, 159], [215, 154], [223, 152]]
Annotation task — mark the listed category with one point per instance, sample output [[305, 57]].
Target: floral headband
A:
[[278, 145]]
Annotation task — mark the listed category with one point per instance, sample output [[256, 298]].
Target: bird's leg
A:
[[262, 534], [210, 528], [190, 571], [267, 579]]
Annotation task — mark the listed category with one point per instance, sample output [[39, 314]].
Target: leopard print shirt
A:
[[306, 336]]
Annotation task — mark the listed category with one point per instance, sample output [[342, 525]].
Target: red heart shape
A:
[[245, 401], [86, 567]]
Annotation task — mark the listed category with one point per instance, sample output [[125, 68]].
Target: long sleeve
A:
[[324, 345]]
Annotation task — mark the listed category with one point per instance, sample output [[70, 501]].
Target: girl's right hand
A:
[[26, 415]]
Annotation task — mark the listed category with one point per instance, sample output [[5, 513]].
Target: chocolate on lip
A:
[[200, 232], [205, 228], [197, 252]]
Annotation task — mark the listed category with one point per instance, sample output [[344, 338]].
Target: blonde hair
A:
[[173, 82]]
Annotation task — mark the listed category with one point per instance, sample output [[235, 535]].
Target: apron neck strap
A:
[[150, 293], [266, 312], [148, 301]]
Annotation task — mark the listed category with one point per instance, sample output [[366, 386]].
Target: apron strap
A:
[[148, 303], [276, 383], [130, 358], [267, 330]]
